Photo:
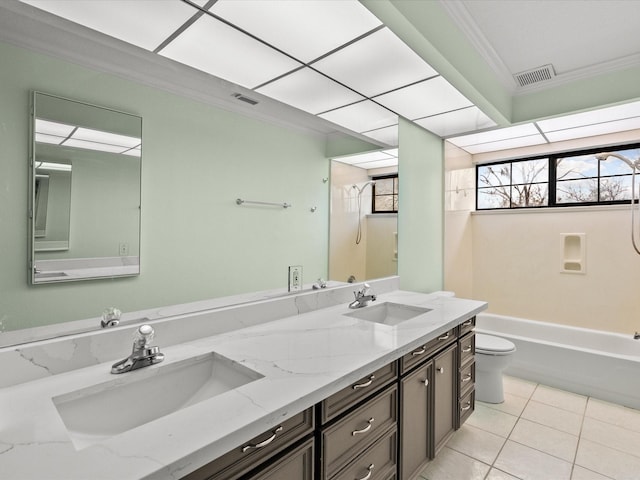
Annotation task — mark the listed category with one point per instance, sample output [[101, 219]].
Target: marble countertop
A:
[[302, 359]]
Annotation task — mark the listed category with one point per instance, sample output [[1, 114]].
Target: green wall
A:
[[421, 206], [197, 159]]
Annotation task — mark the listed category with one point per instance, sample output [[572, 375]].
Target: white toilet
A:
[[493, 355]]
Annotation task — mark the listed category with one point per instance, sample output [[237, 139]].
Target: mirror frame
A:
[[81, 268]]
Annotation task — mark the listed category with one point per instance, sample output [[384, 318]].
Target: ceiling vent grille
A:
[[536, 75], [242, 98]]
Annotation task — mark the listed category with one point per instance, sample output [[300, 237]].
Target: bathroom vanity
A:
[[331, 393]]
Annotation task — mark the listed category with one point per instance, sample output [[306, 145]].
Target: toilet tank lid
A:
[[493, 344]]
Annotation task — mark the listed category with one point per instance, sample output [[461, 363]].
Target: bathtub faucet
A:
[[636, 336]]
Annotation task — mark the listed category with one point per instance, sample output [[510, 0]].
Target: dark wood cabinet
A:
[[416, 420], [387, 425], [445, 394]]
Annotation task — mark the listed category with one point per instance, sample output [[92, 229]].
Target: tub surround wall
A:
[[302, 359]]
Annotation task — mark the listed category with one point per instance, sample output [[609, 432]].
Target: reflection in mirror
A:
[[85, 202], [362, 246]]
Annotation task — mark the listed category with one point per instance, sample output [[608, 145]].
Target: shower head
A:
[[360, 189], [604, 156]]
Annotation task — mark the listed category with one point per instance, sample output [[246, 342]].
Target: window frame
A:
[[552, 159], [373, 194]]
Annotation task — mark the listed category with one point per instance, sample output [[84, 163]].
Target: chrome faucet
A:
[[363, 297], [110, 317], [142, 354]]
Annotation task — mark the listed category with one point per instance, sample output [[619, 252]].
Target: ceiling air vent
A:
[[242, 98], [535, 75]]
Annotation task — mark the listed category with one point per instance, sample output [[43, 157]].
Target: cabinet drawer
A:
[[297, 464], [246, 457], [423, 352], [349, 396], [348, 437], [467, 379], [466, 407], [467, 346], [378, 462], [466, 326]]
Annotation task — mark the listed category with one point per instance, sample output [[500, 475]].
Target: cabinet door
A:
[[297, 465], [446, 395], [416, 420]]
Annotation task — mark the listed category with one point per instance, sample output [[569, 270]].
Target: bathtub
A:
[[589, 362]]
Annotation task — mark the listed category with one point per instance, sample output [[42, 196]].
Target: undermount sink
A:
[[99, 412], [388, 313]]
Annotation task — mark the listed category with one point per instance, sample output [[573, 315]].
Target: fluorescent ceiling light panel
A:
[[364, 157], [376, 64], [424, 99], [361, 116], [594, 130], [524, 130], [388, 135], [213, 47], [392, 162], [52, 139], [507, 144], [392, 151], [101, 147], [310, 91], [140, 22], [53, 128], [601, 115], [106, 138], [304, 29], [59, 167], [459, 121], [134, 152]]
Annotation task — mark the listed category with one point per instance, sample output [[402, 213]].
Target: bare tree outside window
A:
[[516, 184]]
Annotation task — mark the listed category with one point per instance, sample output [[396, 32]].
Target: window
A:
[[385, 194], [573, 178]]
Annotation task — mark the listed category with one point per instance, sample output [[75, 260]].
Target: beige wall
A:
[[513, 259], [382, 259]]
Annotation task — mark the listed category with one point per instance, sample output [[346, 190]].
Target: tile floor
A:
[[541, 433]]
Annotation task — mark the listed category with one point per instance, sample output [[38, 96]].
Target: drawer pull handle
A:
[[365, 429], [444, 337], [365, 384], [468, 323], [264, 443], [466, 407], [426, 382], [419, 352], [467, 377], [467, 349], [440, 369], [369, 472]]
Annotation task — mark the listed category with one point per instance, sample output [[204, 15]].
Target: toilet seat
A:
[[490, 345]]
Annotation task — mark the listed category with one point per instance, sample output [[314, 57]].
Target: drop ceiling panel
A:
[[376, 64], [594, 130], [364, 157], [392, 162], [618, 112], [138, 22], [216, 48], [459, 121], [526, 129], [310, 91], [361, 117], [424, 99], [518, 142], [388, 135], [306, 30]]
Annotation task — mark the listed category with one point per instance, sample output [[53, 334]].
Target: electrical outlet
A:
[[295, 278], [123, 248]]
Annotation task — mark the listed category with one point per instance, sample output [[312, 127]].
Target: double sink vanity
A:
[[302, 387]]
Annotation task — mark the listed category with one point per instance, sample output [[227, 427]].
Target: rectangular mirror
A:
[[84, 192]]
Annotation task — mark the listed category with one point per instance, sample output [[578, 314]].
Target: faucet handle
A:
[[144, 335], [366, 288]]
